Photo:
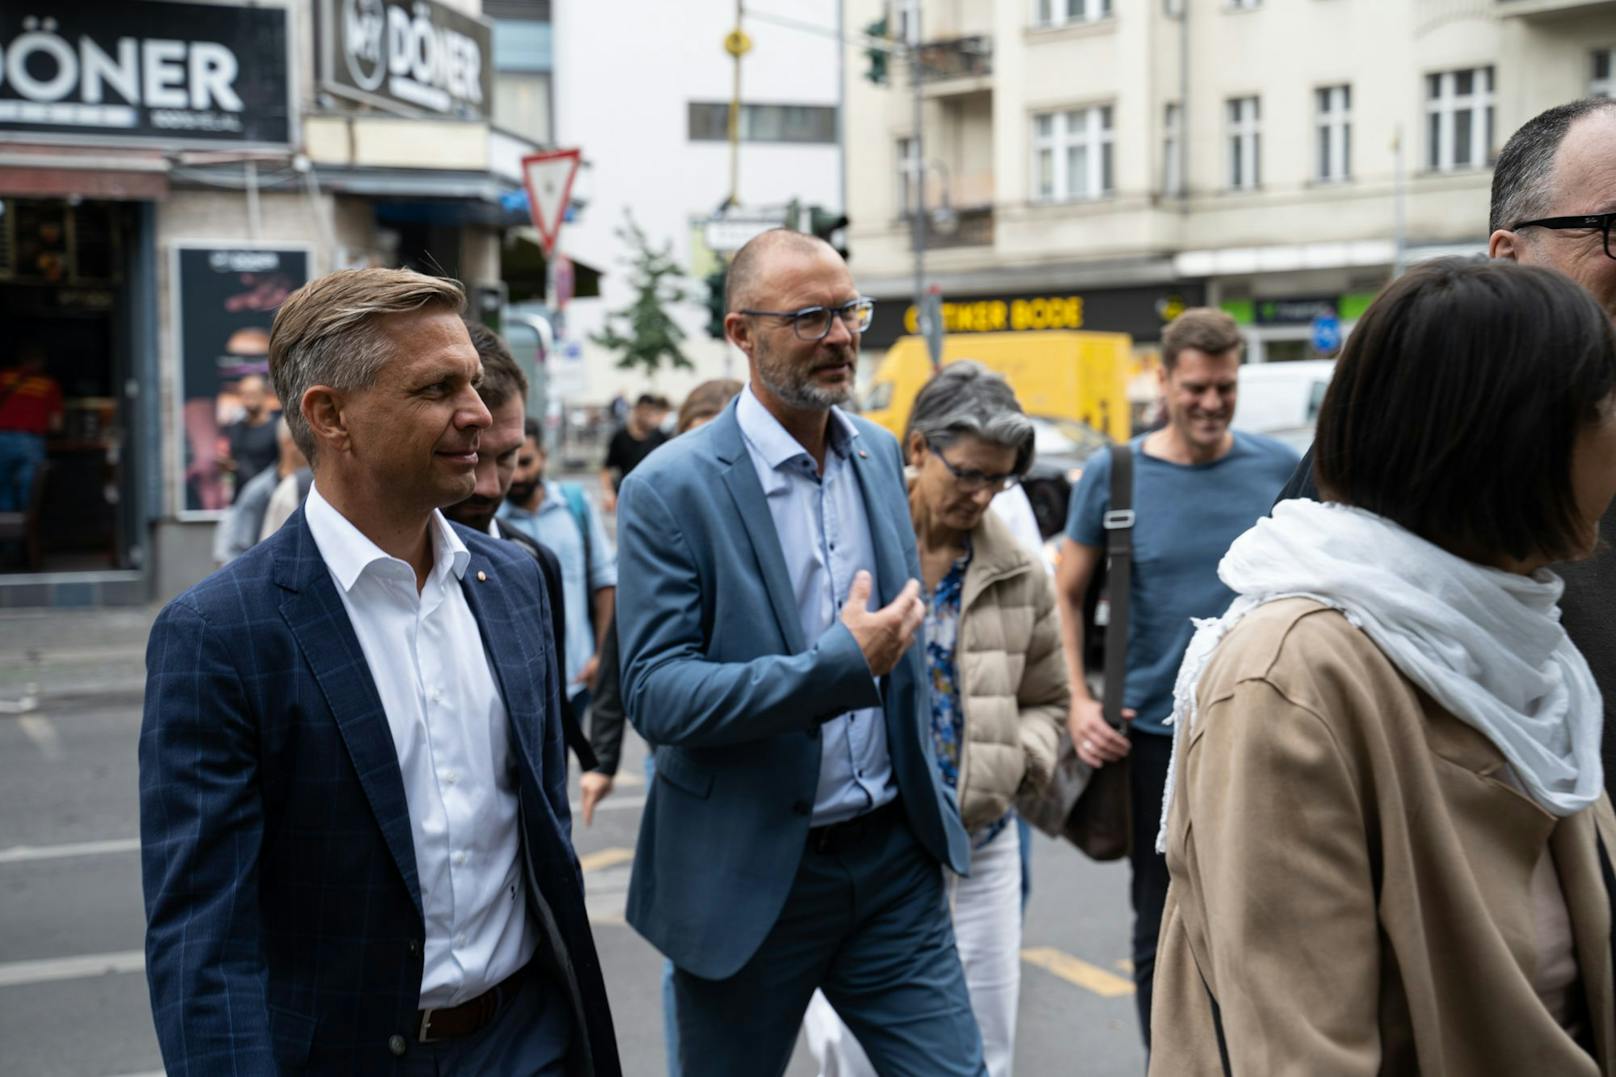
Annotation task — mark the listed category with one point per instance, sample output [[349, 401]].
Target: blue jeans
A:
[[20, 456]]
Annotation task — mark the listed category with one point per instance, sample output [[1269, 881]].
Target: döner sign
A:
[[139, 70], [408, 57]]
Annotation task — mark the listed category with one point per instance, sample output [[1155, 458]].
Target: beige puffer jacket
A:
[[1012, 674]]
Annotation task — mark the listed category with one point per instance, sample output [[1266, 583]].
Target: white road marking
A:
[[42, 731], [19, 973], [18, 854]]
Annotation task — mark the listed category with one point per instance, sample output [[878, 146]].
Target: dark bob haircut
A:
[[1457, 401]]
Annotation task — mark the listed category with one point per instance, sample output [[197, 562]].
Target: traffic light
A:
[[877, 56], [825, 224], [716, 305]]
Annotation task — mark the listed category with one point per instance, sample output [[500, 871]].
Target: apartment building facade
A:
[[1101, 164]]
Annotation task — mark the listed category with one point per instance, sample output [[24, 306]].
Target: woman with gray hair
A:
[[998, 681]]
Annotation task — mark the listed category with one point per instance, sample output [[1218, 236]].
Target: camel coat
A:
[[1012, 674], [1351, 878]]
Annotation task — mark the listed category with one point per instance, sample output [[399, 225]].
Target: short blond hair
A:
[[1205, 329], [321, 334]]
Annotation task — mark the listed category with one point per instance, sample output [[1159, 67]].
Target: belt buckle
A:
[[425, 1033]]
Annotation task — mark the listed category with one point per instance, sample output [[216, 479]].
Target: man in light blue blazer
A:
[[796, 834]]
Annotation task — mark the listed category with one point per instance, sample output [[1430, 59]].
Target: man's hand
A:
[[1096, 742], [886, 634], [608, 501], [586, 675], [593, 787]]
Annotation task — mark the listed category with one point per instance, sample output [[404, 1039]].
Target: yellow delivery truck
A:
[[1058, 374]]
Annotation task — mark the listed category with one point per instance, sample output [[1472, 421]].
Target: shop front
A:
[[1281, 329]]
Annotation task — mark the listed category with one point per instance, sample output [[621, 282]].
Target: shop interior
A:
[[63, 292]]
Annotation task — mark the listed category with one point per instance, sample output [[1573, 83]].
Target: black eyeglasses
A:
[[1587, 222], [813, 323], [971, 481]]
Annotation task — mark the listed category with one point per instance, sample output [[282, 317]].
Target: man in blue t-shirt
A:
[[1197, 486]]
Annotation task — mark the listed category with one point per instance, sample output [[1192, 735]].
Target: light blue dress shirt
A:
[[825, 539], [554, 526]]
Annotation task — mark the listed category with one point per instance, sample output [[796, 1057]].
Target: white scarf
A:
[[1487, 645]]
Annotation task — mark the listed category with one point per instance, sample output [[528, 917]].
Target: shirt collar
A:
[[348, 552], [775, 444]]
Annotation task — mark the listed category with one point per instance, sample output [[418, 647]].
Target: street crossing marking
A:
[[18, 973], [20, 853], [605, 858], [1075, 971]]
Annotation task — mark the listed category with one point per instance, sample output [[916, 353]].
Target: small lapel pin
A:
[[482, 577], [863, 455]]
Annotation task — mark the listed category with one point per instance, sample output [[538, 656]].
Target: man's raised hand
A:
[[884, 634]]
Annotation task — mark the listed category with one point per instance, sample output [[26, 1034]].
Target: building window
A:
[[1603, 84], [1459, 118], [906, 20], [1334, 133], [910, 175], [1172, 143], [1072, 154], [1245, 143], [709, 122], [1062, 12]]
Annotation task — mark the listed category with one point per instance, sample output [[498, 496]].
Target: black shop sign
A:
[[1139, 312], [412, 57], [146, 72]]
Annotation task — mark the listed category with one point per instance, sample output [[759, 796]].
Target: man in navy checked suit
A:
[[354, 826]]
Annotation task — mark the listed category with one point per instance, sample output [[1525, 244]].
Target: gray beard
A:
[[795, 390]]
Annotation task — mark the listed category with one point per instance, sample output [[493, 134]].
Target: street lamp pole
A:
[[917, 180]]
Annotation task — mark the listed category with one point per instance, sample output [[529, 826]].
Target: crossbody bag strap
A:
[[1118, 523]]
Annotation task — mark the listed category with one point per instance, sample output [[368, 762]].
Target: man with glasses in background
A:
[[1196, 486], [768, 607]]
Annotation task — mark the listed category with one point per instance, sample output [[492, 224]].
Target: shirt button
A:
[[460, 940], [397, 1045], [450, 777], [459, 858]]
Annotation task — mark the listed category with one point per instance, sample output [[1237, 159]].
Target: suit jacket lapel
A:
[[741, 478], [492, 610], [318, 620], [891, 566]]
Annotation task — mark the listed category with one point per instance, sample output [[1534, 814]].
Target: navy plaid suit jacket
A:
[[284, 925]]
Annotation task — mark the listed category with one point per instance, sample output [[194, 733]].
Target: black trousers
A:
[[1148, 780]]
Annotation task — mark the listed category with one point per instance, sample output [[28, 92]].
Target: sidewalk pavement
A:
[[69, 655]]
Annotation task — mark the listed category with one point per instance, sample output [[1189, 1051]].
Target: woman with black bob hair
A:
[[1390, 846]]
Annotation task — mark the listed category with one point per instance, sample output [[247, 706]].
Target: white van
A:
[[1282, 399]]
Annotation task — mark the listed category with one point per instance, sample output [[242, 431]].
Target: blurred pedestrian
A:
[[559, 516], [793, 835], [503, 390], [288, 496], [242, 525], [1388, 835], [636, 439], [1196, 486], [999, 691], [354, 822], [30, 408], [252, 441]]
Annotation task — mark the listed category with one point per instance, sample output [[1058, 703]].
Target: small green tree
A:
[[642, 332]]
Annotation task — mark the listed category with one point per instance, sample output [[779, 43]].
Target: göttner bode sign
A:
[[145, 71]]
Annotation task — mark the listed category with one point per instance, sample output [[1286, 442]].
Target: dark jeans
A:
[[1149, 759]]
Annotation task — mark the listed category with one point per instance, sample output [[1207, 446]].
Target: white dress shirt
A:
[[452, 736]]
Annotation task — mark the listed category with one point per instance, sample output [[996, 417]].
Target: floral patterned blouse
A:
[[947, 716]]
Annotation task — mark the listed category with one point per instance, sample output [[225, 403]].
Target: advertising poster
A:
[[159, 72], [225, 298], [412, 57]]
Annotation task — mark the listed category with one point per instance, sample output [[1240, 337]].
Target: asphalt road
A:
[[72, 995]]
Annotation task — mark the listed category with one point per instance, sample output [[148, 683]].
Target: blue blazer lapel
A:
[[880, 502], [319, 622], [742, 481], [492, 610]]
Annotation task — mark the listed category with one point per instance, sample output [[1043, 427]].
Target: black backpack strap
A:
[[1118, 523]]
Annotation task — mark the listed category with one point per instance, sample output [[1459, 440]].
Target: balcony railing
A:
[[955, 58], [957, 228]]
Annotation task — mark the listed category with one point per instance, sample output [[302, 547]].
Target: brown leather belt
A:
[[470, 1016]]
